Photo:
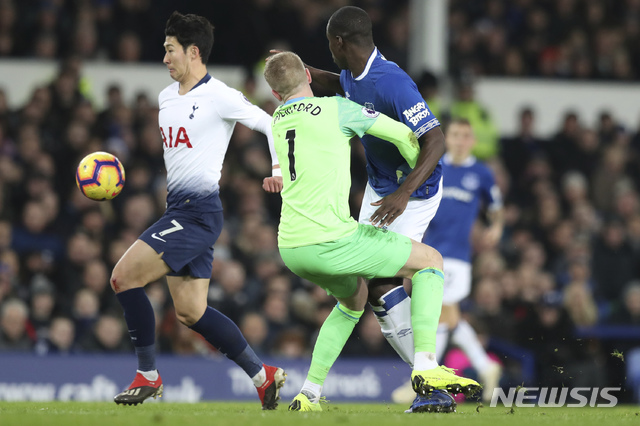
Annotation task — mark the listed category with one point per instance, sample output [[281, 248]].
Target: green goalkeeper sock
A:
[[426, 305], [332, 337]]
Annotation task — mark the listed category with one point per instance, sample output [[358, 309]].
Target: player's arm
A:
[[274, 182], [433, 148], [238, 108], [405, 99], [355, 119], [326, 79], [395, 203], [398, 134], [493, 233], [495, 212]]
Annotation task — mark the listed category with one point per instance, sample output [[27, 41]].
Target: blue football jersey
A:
[[466, 188], [386, 88]]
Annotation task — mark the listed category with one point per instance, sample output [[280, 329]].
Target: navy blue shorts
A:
[[186, 237]]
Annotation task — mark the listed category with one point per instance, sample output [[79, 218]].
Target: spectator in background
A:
[[517, 152], [107, 337], [428, 87], [484, 128], [627, 310], [33, 235], [613, 264], [42, 308], [85, 311], [129, 48], [291, 343], [255, 329], [13, 326], [230, 295], [60, 339]]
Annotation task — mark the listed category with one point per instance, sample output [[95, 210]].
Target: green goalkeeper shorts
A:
[[335, 266]]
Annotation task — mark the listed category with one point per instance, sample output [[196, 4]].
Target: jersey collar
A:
[[290, 101], [369, 62], [204, 80], [470, 161]]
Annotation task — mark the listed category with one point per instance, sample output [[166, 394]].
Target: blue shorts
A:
[[186, 239]]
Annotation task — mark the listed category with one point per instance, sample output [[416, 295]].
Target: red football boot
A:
[[139, 390], [269, 392]]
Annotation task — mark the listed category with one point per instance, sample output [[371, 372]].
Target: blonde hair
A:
[[285, 73]]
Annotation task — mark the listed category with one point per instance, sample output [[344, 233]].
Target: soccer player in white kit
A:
[[197, 116]]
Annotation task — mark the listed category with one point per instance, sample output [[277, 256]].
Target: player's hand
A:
[[492, 237], [272, 184], [390, 208]]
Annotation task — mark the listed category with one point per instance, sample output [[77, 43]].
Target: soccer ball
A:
[[100, 176]]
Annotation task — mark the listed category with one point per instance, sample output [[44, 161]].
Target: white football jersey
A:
[[196, 128]]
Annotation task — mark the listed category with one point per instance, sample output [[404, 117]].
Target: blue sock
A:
[[141, 322], [225, 336]]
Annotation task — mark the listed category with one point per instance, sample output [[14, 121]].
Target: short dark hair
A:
[[191, 30], [352, 24]]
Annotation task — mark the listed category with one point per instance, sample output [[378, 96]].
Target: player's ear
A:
[[308, 75], [194, 51], [276, 95]]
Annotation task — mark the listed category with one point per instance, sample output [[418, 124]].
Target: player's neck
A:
[[458, 160], [357, 60], [192, 78], [304, 93]]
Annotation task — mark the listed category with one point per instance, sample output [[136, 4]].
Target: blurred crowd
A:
[[595, 39], [569, 258], [133, 30]]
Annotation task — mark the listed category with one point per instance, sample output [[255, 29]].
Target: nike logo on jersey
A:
[[154, 235], [194, 111]]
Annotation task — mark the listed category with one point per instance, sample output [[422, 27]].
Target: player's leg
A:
[[331, 266], [457, 287], [424, 266], [392, 307], [333, 335], [387, 296], [457, 276], [190, 301], [139, 266]]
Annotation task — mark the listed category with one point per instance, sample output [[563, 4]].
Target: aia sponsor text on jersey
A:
[[181, 136]]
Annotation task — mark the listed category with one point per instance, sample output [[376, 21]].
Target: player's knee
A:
[[121, 280], [432, 258], [119, 283], [187, 316]]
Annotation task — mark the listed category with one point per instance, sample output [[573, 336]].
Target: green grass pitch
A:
[[236, 414]]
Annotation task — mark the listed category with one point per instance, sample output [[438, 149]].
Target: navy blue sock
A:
[[141, 322], [225, 336]]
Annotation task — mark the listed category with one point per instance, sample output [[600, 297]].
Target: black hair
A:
[[352, 24], [191, 30]]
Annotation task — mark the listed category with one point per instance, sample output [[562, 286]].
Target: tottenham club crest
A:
[[194, 111], [369, 110]]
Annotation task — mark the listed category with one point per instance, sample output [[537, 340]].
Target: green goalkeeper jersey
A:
[[311, 137]]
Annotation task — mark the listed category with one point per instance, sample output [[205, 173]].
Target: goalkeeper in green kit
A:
[[321, 242]]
